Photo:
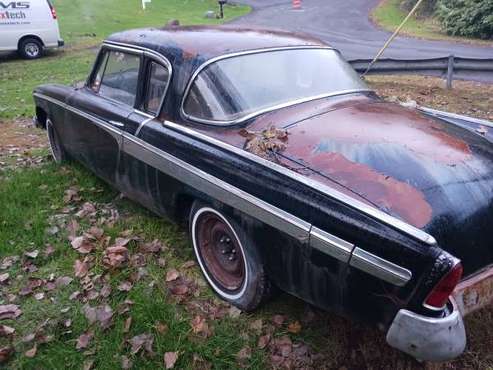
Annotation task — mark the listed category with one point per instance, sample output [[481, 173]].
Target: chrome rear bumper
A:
[[428, 338]]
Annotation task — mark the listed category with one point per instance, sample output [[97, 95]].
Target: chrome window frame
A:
[[220, 123], [143, 52]]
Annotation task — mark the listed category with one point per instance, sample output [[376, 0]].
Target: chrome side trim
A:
[[249, 204], [354, 203], [379, 267], [216, 188], [261, 111], [142, 124], [331, 244], [439, 113]]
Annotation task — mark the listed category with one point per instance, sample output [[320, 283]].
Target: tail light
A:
[[438, 297], [52, 8]]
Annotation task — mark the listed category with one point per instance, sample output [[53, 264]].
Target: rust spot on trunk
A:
[[384, 191]]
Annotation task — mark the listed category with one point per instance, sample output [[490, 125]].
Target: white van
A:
[[28, 27]]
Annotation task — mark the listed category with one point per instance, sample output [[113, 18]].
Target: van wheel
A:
[[30, 48], [57, 151], [228, 258]]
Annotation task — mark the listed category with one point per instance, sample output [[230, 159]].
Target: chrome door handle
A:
[[116, 123]]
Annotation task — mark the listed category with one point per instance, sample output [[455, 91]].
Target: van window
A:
[[157, 82], [117, 77]]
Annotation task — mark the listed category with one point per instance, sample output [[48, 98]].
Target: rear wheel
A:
[[228, 258], [30, 48], [57, 151]]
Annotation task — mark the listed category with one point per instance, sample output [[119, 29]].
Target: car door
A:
[[137, 179], [101, 110]]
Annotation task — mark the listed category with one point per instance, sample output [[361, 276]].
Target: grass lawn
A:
[[45, 205], [84, 24], [389, 16]]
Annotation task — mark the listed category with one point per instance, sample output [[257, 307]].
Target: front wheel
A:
[[228, 258], [57, 151]]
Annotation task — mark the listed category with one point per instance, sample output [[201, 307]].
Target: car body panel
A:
[[339, 218]]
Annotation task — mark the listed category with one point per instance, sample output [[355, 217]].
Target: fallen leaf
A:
[[82, 245], [105, 291], [128, 323], [152, 247], [180, 289], [32, 254], [5, 354], [115, 257], [32, 352], [88, 364], [278, 320], [6, 330], [234, 312], [188, 264], [200, 326], [170, 359], [63, 281], [74, 295], [71, 195], [104, 315], [257, 325], [161, 262], [39, 296], [244, 354], [126, 363], [9, 311], [161, 327], [142, 341], [80, 268], [86, 209], [53, 230], [96, 232], [125, 286], [84, 340], [49, 250], [172, 275], [4, 277], [263, 341], [67, 323], [294, 327]]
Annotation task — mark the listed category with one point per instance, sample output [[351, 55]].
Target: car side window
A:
[[157, 82], [117, 77]]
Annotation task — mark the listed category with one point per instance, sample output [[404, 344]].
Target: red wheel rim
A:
[[220, 252]]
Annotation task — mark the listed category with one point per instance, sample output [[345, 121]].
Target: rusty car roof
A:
[[206, 42]]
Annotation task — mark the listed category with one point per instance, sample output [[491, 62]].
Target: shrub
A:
[[471, 18], [426, 9]]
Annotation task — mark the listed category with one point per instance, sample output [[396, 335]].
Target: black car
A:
[[291, 173]]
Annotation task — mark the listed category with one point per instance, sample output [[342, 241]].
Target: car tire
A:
[[57, 151], [228, 258], [30, 48]]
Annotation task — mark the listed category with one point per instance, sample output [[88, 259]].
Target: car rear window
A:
[[237, 87]]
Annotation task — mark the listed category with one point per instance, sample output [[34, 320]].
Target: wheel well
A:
[[29, 37], [41, 117], [183, 205]]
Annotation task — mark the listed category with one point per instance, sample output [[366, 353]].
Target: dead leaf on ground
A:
[[126, 363], [9, 311], [49, 250], [244, 354], [4, 277], [86, 210], [6, 330], [63, 281], [96, 232], [84, 340], [278, 320], [257, 326], [188, 264], [88, 364], [128, 323], [170, 359], [161, 327], [80, 268], [263, 341], [71, 195], [294, 327], [172, 275], [5, 354], [125, 286], [82, 244], [179, 289], [32, 254], [234, 312], [32, 352], [115, 257], [153, 247], [142, 341], [199, 326]]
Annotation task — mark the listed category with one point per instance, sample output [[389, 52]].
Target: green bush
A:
[[426, 9], [470, 18]]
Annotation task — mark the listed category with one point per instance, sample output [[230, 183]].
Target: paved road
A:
[[344, 24]]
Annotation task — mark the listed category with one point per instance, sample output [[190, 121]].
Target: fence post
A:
[[450, 71]]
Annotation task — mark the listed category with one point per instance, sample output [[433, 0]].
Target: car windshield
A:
[[234, 88]]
